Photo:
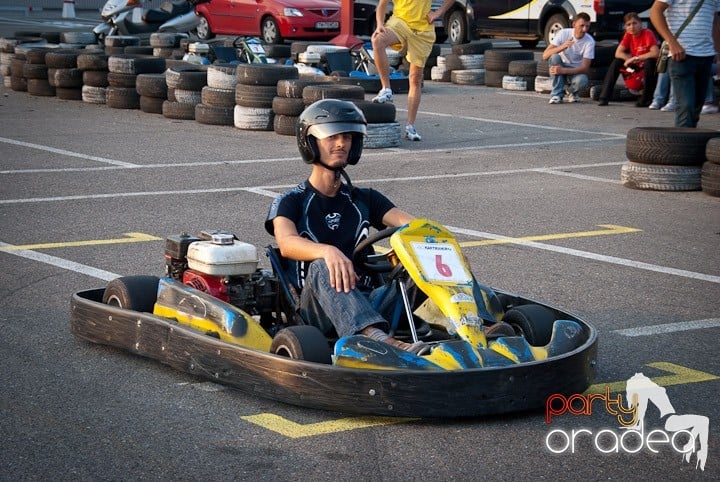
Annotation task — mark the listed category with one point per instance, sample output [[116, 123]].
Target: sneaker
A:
[[419, 348], [411, 134], [669, 107], [709, 109], [385, 95], [654, 105], [572, 98], [555, 99]]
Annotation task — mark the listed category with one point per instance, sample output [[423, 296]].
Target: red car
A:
[[272, 20]]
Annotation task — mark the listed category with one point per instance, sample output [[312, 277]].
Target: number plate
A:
[[323, 25], [440, 262], [256, 48]]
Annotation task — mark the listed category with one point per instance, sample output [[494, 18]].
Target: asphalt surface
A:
[[495, 162]]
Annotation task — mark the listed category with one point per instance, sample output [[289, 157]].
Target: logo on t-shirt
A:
[[333, 221]]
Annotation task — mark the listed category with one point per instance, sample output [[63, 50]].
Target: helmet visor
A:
[[321, 131]]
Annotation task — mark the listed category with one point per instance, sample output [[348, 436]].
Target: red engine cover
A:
[[213, 285]]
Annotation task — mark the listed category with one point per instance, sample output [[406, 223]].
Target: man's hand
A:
[[341, 269], [677, 51], [556, 70]]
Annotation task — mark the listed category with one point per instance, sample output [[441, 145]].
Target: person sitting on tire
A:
[[635, 58], [570, 53], [318, 224]]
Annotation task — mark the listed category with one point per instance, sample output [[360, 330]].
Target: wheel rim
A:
[[554, 29], [114, 301], [284, 350], [455, 31], [203, 28], [270, 32]]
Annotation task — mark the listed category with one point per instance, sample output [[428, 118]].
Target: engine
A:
[[220, 265]]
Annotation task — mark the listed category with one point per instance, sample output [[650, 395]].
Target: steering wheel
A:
[[377, 263]]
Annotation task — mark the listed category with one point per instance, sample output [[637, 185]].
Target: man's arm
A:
[[657, 17], [551, 49], [294, 246], [396, 217], [380, 13]]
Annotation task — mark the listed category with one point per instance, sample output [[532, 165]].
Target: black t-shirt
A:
[[342, 221]]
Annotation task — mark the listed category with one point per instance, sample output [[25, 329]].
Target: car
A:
[[365, 20], [533, 21], [217, 314], [272, 20]]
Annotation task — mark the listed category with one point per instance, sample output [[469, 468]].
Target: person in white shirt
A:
[[570, 54]]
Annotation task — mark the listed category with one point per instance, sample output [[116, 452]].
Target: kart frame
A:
[[399, 393]]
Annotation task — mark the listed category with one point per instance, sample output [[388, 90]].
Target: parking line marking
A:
[[669, 327], [594, 256], [61, 263], [131, 238], [609, 229], [679, 376], [66, 153], [291, 429], [266, 190]]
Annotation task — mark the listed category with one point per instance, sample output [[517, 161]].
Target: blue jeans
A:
[[662, 90], [576, 81], [333, 313], [690, 82]]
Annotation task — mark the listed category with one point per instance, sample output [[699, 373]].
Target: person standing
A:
[[691, 53], [410, 27], [636, 52]]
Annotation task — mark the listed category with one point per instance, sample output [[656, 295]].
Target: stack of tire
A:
[[123, 70], [64, 74], [184, 91], [17, 81], [710, 176], [466, 63], [497, 64], [152, 89], [254, 93], [670, 158], [164, 44], [521, 75], [14, 52], [217, 98], [288, 104], [440, 72], [115, 44], [543, 82], [7, 53], [36, 72], [94, 67]]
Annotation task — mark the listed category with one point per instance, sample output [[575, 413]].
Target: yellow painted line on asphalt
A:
[[678, 375], [292, 429], [608, 229], [131, 238]]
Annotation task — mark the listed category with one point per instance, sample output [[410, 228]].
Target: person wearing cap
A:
[[318, 224]]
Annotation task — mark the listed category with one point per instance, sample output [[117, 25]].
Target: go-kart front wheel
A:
[[137, 293], [534, 322], [302, 342]]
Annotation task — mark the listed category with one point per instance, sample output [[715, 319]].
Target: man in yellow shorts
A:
[[410, 27]]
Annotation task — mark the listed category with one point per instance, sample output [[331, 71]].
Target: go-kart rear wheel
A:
[[302, 342], [137, 293], [534, 322]]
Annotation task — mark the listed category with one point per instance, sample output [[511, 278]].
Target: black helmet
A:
[[326, 118]]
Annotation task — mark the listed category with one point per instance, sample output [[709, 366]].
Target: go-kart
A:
[[216, 314]]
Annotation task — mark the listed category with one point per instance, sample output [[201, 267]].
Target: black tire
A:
[[178, 110], [151, 85], [186, 78], [313, 93], [62, 59], [35, 71], [213, 115], [499, 59], [69, 93], [287, 106], [534, 322], [137, 293], [472, 48], [294, 87], [260, 96], [116, 79], [270, 31], [265, 74], [284, 125], [302, 342], [456, 27], [710, 179], [523, 68], [92, 61], [217, 98], [554, 24], [40, 87], [453, 62], [376, 113], [151, 105], [96, 78], [712, 150], [122, 98], [494, 78], [676, 146]]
